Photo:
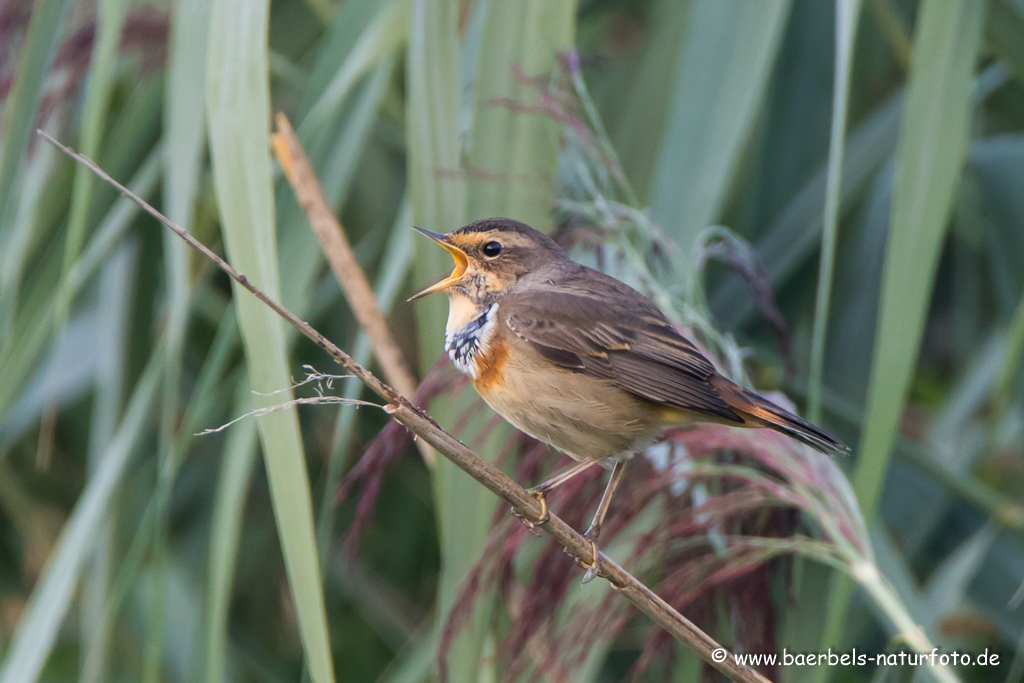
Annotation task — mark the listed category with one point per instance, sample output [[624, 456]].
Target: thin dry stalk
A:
[[499, 483], [342, 259]]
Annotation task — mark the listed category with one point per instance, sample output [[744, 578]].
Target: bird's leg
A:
[[594, 531], [541, 490], [554, 482]]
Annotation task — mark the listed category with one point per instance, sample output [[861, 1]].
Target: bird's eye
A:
[[492, 249]]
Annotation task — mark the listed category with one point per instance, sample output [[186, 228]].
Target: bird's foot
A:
[[594, 566], [532, 524]]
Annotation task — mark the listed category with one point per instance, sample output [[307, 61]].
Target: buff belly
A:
[[584, 418]]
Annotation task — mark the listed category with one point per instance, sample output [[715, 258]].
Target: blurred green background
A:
[[882, 137]]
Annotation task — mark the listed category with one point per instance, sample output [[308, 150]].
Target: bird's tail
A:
[[763, 413]]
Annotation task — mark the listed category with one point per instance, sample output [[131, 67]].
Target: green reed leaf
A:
[[237, 96]]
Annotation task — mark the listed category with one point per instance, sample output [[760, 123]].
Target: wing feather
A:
[[622, 338]]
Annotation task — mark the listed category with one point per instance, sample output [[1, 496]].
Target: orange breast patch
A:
[[490, 366]]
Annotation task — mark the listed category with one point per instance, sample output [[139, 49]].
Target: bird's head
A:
[[490, 257]]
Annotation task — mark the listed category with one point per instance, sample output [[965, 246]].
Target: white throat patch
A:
[[464, 342]]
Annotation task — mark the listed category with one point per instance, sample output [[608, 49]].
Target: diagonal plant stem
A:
[[344, 264], [486, 473]]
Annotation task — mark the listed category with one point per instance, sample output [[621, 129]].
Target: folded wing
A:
[[624, 339]]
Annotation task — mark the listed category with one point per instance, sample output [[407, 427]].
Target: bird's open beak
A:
[[461, 263]]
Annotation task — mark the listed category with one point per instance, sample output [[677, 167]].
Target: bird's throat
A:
[[468, 334], [461, 311]]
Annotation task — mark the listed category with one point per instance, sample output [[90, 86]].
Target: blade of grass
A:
[[138, 129], [343, 156], [32, 329], [381, 38], [137, 124], [996, 164], [929, 155], [344, 31], [94, 115], [847, 16], [857, 283], [414, 663], [37, 178], [947, 587], [723, 69], [1004, 387], [115, 289], [232, 491], [1004, 25], [335, 139], [514, 154], [790, 135], [19, 119], [238, 97], [65, 374], [639, 131], [890, 24], [37, 629], [322, 9], [185, 126], [23, 100]]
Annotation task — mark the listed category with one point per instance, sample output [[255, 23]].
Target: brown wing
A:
[[623, 338]]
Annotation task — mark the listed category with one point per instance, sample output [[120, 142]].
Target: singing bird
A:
[[580, 360]]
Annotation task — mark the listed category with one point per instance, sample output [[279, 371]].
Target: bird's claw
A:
[[594, 566], [532, 524]]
